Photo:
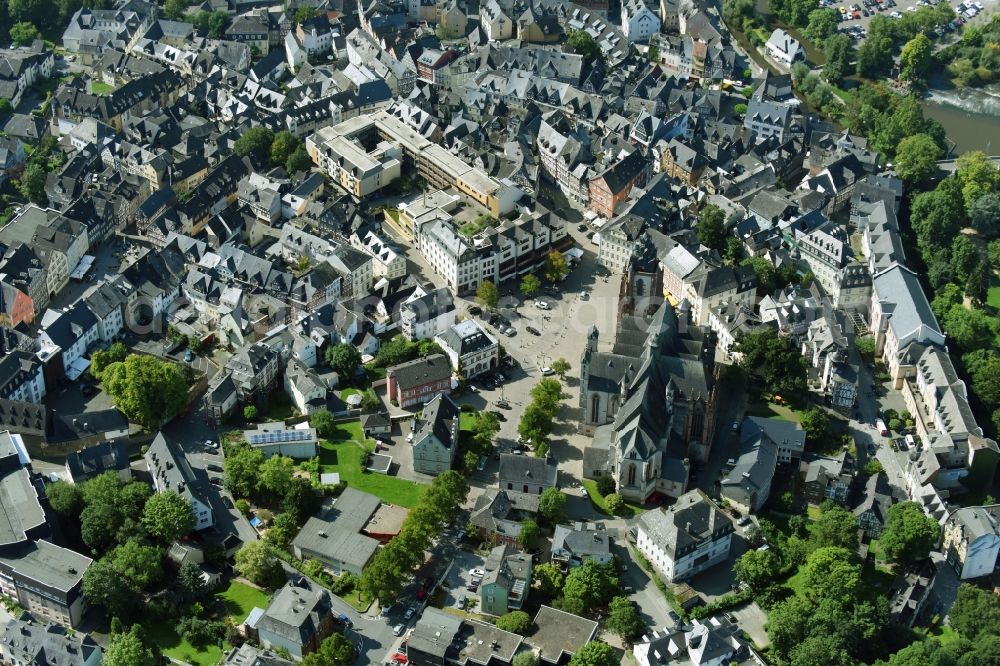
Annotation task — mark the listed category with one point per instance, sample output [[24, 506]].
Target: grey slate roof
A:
[[296, 613], [693, 519], [417, 372]]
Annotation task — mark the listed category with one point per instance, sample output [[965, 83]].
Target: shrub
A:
[[605, 485], [615, 503]]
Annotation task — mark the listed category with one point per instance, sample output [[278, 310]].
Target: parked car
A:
[[188, 356], [510, 332], [581, 227], [547, 371], [228, 503], [398, 629], [215, 481], [542, 305], [213, 468], [209, 444], [410, 612], [532, 330]]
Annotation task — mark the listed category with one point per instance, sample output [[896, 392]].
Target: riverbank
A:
[[970, 116]]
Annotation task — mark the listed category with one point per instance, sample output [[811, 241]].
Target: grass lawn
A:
[[772, 410], [343, 454], [241, 599], [948, 636], [164, 636], [993, 295], [875, 548], [278, 411], [101, 88], [797, 583], [467, 421], [348, 392], [598, 500]]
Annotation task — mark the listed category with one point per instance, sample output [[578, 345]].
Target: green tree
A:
[[974, 612], [836, 527], [254, 140], [335, 650], [485, 429], [64, 498], [212, 24], [24, 33], [301, 500], [242, 465], [275, 475], [556, 267], [167, 516], [937, 216], [549, 579], [323, 421], [875, 54], [865, 345], [822, 24], [137, 564], [711, 227], [873, 467], [591, 583], [839, 52], [964, 257], [345, 359], [128, 649], [757, 568], [993, 254], [101, 359], [560, 366], [99, 524], [298, 161], [146, 389], [102, 586], [605, 485], [927, 652], [190, 581], [984, 214], [175, 9], [909, 533], [552, 505], [5, 108], [529, 534], [516, 622], [816, 423], [32, 184], [915, 59], [978, 176], [831, 573], [282, 146], [530, 285], [283, 529], [250, 413], [595, 653], [304, 13], [916, 157], [470, 460], [615, 503], [584, 45], [488, 294], [773, 362], [623, 618], [525, 658], [970, 329], [257, 561]]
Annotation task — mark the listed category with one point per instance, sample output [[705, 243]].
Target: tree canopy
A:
[[584, 45], [128, 649], [773, 362], [909, 533], [711, 227], [167, 516], [146, 389], [595, 653], [517, 622], [488, 294]]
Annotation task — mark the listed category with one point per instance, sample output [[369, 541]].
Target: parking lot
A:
[[458, 594], [857, 14]]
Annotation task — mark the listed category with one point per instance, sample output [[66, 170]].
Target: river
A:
[[970, 116]]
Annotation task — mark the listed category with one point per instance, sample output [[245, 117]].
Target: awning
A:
[[78, 367], [81, 268], [573, 254]]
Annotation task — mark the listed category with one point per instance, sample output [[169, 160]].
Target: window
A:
[[631, 475]]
